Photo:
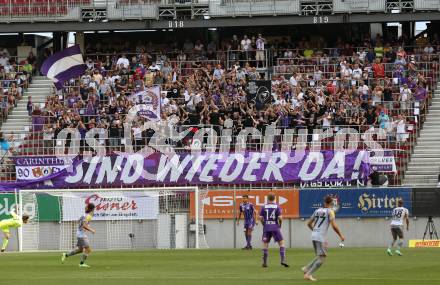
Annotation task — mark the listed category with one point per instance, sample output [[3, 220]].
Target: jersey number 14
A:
[[270, 216]]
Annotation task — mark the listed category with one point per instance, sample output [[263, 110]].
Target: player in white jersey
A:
[[82, 244], [399, 217], [319, 223]]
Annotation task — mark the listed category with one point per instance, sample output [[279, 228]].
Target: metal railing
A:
[[332, 72], [78, 10], [228, 8], [73, 10], [224, 8], [163, 55], [358, 6], [253, 57], [40, 10], [400, 5], [297, 58], [425, 5]]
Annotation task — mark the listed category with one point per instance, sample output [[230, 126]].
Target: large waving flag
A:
[[64, 65]]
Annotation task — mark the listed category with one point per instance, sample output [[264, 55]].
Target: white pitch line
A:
[[216, 277]]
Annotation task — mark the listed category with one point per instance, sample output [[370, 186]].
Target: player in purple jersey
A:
[[247, 209], [271, 219]]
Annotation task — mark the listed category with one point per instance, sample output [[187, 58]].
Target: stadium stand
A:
[[374, 82], [386, 85]]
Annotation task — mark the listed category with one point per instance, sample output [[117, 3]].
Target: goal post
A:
[[124, 218]]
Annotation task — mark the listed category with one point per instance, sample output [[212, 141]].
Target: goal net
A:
[[131, 218]]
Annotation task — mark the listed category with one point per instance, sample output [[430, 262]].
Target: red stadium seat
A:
[[15, 10], [53, 10], [4, 11], [24, 10], [62, 10], [44, 10]]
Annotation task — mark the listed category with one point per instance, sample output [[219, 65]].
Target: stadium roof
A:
[[215, 22]]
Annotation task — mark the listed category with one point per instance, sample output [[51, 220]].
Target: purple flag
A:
[[64, 65]]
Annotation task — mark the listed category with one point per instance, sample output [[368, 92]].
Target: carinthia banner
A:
[[33, 168]]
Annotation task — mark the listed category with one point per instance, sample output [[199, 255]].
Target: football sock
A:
[[308, 266], [282, 254], [5, 243], [83, 258], [247, 240], [73, 252], [316, 264], [392, 244], [265, 254], [399, 244]]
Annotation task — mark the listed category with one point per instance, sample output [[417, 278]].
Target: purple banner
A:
[[126, 170], [383, 162], [33, 168]]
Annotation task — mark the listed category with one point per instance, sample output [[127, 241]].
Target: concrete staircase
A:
[[19, 122], [424, 166]]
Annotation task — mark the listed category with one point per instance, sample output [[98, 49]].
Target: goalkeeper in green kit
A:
[[16, 222]]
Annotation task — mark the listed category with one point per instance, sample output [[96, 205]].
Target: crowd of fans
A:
[[15, 77], [379, 84]]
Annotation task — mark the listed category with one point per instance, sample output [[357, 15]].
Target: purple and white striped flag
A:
[[64, 65]]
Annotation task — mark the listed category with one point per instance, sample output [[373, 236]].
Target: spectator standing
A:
[[420, 93], [400, 129], [405, 98], [123, 62], [29, 106], [383, 120], [259, 57], [378, 69], [4, 147], [245, 46]]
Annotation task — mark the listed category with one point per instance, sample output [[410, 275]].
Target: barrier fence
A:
[[371, 202], [296, 56], [391, 70]]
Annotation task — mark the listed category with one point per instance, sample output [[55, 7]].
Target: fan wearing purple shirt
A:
[[271, 219], [247, 209]]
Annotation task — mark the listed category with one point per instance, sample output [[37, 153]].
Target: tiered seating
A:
[[23, 8], [300, 84]]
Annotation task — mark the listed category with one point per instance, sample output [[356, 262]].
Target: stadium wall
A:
[[360, 212], [358, 232], [220, 233]]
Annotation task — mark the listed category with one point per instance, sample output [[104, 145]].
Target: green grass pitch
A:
[[221, 267]]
